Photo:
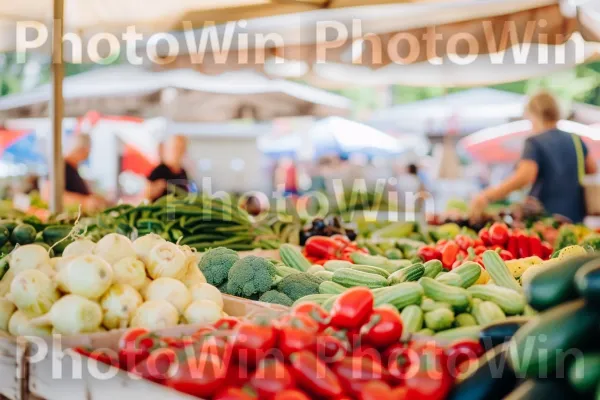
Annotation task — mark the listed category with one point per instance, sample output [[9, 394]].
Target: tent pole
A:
[[55, 161]]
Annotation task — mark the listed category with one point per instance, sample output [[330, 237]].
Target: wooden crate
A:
[[50, 372], [12, 367]]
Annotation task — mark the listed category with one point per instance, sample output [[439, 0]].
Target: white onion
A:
[[7, 309], [88, 276], [130, 271], [80, 247], [193, 276], [118, 304], [29, 256], [33, 292], [72, 314], [166, 260], [155, 314], [6, 282], [114, 247], [20, 325], [58, 263], [171, 290], [144, 244], [202, 312], [206, 291], [144, 288]]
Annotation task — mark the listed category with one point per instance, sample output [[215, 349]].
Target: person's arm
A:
[[590, 164], [523, 176], [71, 198], [154, 189]]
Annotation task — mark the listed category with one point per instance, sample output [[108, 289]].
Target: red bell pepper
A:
[[524, 247], [383, 329], [331, 348], [271, 377], [356, 371], [233, 393], [449, 253], [478, 242], [464, 242], [484, 235], [513, 245], [134, 346], [251, 342], [156, 366], [295, 338], [505, 255], [463, 350], [201, 377], [428, 253], [352, 308], [323, 247], [547, 250], [103, 356], [498, 233], [432, 379], [314, 376], [291, 395], [313, 311], [535, 246], [480, 250]]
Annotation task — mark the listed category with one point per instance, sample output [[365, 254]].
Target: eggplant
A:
[[501, 332], [491, 380]]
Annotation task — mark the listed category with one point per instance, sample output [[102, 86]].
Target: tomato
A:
[[237, 375], [226, 323], [298, 321], [354, 372], [251, 342], [342, 239], [200, 377], [498, 234], [384, 328], [478, 242], [547, 250], [441, 242], [314, 376], [484, 236], [464, 242], [323, 247], [331, 348], [178, 343], [104, 356], [352, 308], [463, 350], [428, 253], [375, 390], [270, 378], [449, 253], [431, 380], [314, 311], [233, 393], [480, 250], [293, 339], [403, 361], [291, 395], [134, 346], [399, 393], [506, 255], [156, 366]]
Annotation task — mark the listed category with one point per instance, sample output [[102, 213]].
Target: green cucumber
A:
[[409, 274], [334, 265], [426, 332], [293, 258], [349, 277], [432, 268], [283, 270], [328, 303], [412, 318], [394, 254], [371, 270], [587, 280], [487, 312], [499, 272], [555, 284], [508, 300], [469, 273], [395, 265], [318, 298], [442, 272], [584, 373], [23, 234], [9, 225], [460, 333], [439, 319], [328, 287], [367, 259], [400, 295], [430, 305], [4, 235], [464, 319], [325, 275], [457, 297], [450, 278], [568, 326]]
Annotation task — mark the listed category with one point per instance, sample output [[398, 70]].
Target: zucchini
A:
[[400, 295], [334, 265], [500, 332], [587, 280], [426, 332], [325, 275], [442, 272], [293, 258], [412, 318], [457, 297], [499, 272], [449, 278], [371, 270], [283, 270], [430, 305], [23, 234], [408, 274], [432, 268], [464, 319], [328, 287], [568, 326], [395, 265], [510, 302], [469, 273], [536, 389], [349, 277], [584, 373], [367, 259], [439, 319], [328, 303], [4, 235], [318, 298], [460, 333], [489, 381], [555, 285], [487, 312]]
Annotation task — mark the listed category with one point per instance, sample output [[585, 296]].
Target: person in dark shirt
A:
[[170, 170], [549, 163]]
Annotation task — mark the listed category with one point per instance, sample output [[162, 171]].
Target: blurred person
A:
[[549, 163], [286, 177], [170, 170], [77, 190]]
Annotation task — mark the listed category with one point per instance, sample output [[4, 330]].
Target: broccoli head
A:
[[275, 297], [250, 276], [299, 285], [215, 264]]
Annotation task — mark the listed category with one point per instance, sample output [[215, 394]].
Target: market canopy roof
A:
[[132, 90]]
